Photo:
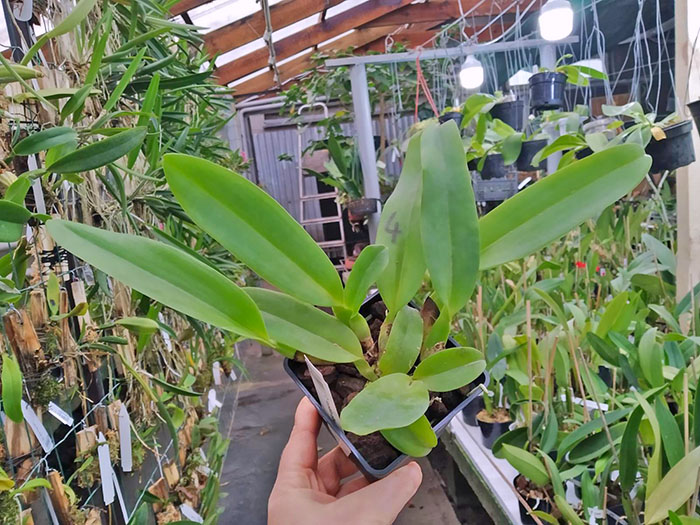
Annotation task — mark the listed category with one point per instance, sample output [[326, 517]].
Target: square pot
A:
[[367, 470]]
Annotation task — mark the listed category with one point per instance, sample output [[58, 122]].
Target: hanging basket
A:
[[547, 90], [529, 149], [512, 113], [361, 208], [493, 168], [451, 115], [675, 151]]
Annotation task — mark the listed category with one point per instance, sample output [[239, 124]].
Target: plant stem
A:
[[528, 318]]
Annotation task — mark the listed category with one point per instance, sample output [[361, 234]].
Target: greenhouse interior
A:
[[349, 262]]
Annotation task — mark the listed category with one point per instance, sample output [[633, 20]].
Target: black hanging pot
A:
[[492, 430], [512, 113], [529, 149], [493, 168], [362, 207], [359, 454], [535, 504], [547, 90], [451, 115], [694, 108], [471, 410], [675, 151]]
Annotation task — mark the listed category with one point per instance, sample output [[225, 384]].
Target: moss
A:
[[9, 512], [203, 381], [46, 390]]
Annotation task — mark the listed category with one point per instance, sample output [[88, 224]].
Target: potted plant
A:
[[494, 419], [451, 114], [529, 149], [547, 87], [495, 146], [429, 223], [668, 141], [510, 110]]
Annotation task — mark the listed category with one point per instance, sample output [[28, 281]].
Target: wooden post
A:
[[688, 178], [20, 331], [59, 499]]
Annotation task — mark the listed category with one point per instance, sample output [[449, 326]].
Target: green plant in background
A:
[[575, 74]]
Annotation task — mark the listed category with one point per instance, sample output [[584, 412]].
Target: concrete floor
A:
[[266, 404]]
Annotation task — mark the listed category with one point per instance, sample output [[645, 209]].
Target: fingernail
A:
[[414, 472]]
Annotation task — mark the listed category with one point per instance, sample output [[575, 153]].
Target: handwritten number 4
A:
[[392, 227]]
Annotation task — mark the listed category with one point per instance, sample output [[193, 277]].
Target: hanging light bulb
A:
[[556, 20], [471, 76]]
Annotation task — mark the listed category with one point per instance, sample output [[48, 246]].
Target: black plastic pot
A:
[[471, 410], [675, 151], [694, 108], [535, 504], [451, 115], [616, 515], [605, 375], [547, 90], [362, 207], [583, 153], [367, 470], [512, 113], [490, 432], [493, 167], [529, 149]]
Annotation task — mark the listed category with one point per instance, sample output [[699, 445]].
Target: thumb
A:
[[381, 502]]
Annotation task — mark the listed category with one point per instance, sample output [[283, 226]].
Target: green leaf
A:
[[165, 274], [510, 149], [651, 358], [13, 219], [12, 388], [124, 81], [138, 324], [404, 342], [416, 439], [17, 191], [571, 439], [33, 484], [663, 254], [527, 464], [98, 153], [450, 369], [44, 140], [254, 227], [553, 206], [298, 326], [670, 433], [567, 510], [175, 389], [77, 101], [367, 268], [595, 445], [655, 462], [674, 489], [629, 451], [392, 401], [449, 222], [399, 230], [604, 349], [612, 315]]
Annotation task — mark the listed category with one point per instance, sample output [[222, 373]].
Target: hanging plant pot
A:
[[512, 113], [529, 149], [493, 425], [547, 90], [694, 108], [471, 410], [372, 454], [493, 168], [534, 496], [451, 115], [361, 208], [675, 151]]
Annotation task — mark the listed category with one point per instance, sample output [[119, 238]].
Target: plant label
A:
[[60, 414], [233, 375], [49, 506], [190, 514], [216, 371], [37, 427], [105, 470], [125, 439], [323, 391], [120, 496], [213, 402], [165, 335]]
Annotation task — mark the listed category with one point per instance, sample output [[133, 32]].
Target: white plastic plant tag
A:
[[60, 414], [213, 402], [216, 371], [190, 514], [165, 335], [120, 497], [37, 427], [323, 390], [105, 470], [125, 439], [49, 506], [233, 375]]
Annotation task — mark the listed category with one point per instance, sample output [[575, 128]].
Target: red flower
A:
[[580, 264]]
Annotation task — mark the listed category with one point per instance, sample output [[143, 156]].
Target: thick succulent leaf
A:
[[654, 470], [13, 216], [403, 345], [670, 432], [99, 153], [449, 222], [367, 268], [138, 324], [651, 358], [165, 274], [12, 388], [604, 349], [450, 369], [44, 140], [553, 206], [254, 227], [393, 401], [302, 327], [526, 463], [399, 231], [674, 489], [416, 439], [629, 450]]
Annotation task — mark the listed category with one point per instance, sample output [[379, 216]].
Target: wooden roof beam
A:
[[185, 5], [310, 37], [252, 27]]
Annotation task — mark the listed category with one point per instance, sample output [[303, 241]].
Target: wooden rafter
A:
[[308, 38], [185, 5], [439, 11], [252, 27]]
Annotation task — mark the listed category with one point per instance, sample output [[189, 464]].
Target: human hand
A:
[[309, 491]]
